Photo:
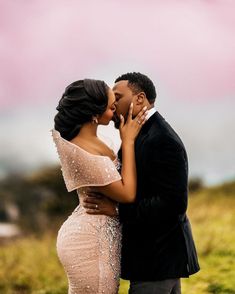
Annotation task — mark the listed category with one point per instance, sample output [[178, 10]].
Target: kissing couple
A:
[[131, 220]]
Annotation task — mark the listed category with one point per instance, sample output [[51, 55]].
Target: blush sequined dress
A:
[[88, 246]]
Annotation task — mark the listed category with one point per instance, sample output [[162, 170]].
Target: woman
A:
[[89, 245]]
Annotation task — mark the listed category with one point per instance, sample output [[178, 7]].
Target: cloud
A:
[[207, 132], [187, 45]]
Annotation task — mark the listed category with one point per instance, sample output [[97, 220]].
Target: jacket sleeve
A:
[[168, 168]]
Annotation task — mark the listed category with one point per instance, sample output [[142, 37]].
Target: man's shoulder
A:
[[161, 122], [162, 132]]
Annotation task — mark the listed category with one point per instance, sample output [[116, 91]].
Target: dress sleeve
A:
[[81, 168]]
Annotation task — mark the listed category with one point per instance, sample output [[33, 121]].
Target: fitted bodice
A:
[[82, 191]]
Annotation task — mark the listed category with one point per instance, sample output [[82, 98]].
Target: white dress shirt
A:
[[150, 113]]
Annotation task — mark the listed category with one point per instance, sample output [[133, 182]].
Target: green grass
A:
[[30, 265], [213, 221]]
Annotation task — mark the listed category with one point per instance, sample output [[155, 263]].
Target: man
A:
[[157, 245]]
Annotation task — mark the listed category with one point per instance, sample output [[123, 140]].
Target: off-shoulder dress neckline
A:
[[82, 149]]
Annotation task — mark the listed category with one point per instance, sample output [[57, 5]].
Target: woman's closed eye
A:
[[118, 97]]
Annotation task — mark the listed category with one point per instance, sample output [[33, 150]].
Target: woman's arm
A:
[[125, 190]]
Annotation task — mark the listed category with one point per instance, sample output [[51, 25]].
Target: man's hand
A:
[[96, 203]]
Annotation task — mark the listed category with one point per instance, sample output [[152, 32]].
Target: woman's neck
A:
[[88, 131]]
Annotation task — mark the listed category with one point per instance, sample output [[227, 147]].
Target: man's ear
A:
[[140, 98]]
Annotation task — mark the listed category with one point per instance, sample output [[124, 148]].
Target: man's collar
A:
[[151, 111]]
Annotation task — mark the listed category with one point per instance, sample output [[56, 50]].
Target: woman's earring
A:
[[94, 120]]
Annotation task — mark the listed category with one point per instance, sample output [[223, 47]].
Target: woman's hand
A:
[[130, 129]]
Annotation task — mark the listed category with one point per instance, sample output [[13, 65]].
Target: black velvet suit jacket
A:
[[157, 240]]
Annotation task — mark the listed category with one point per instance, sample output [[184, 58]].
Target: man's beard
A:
[[116, 120]]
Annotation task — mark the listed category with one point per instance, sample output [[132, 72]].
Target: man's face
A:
[[124, 96]]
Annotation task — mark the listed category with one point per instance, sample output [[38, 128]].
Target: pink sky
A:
[[187, 46]]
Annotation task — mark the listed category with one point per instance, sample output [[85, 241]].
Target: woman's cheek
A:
[[107, 116]]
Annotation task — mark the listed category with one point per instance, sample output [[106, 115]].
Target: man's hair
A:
[[139, 82]]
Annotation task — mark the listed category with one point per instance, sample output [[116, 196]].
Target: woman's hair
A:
[[81, 101]]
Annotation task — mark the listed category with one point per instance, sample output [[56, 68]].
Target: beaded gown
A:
[[88, 246]]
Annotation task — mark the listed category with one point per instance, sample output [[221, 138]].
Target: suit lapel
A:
[[143, 135]]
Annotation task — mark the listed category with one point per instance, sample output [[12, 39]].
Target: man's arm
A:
[[96, 203], [168, 165]]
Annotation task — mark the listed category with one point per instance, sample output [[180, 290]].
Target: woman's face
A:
[[107, 116]]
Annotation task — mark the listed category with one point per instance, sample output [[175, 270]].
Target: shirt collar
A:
[[150, 113]]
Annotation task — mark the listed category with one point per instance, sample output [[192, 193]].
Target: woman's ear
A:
[[140, 99]]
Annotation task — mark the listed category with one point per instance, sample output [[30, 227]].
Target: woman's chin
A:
[[105, 123]]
